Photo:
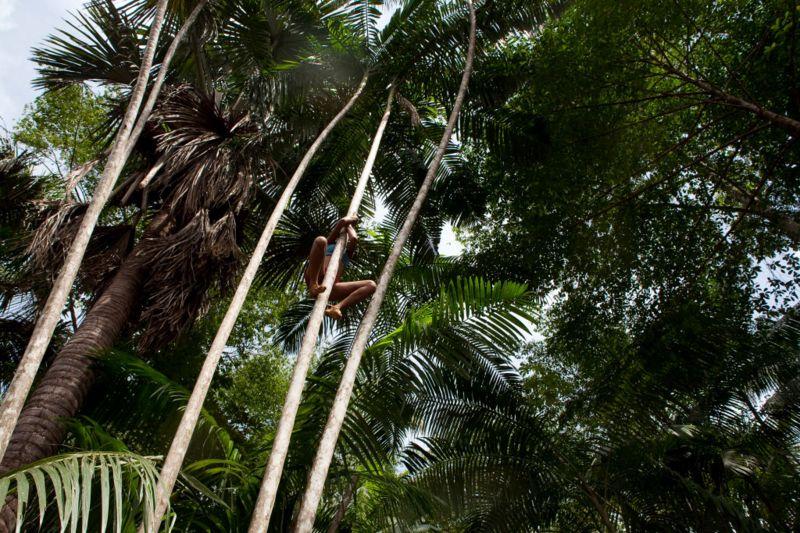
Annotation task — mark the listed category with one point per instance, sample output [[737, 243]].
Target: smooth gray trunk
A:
[[347, 497], [183, 436], [322, 461], [283, 435]]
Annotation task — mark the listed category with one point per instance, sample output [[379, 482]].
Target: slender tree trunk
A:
[[155, 91], [45, 326], [201, 66], [347, 497], [322, 461], [283, 435], [785, 223], [788, 225], [183, 435], [590, 492], [598, 506], [782, 121], [65, 385], [753, 205]]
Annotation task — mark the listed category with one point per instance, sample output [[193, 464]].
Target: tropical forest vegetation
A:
[[575, 224]]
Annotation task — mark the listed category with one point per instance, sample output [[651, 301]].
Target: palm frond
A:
[[70, 480], [154, 399], [359, 16], [102, 44]]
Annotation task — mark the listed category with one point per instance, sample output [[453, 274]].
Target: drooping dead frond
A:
[[411, 109], [50, 241], [222, 238], [210, 154], [104, 255], [209, 159], [184, 266]]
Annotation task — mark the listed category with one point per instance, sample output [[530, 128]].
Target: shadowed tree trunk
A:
[[347, 497], [64, 387], [128, 134], [330, 435], [783, 221]]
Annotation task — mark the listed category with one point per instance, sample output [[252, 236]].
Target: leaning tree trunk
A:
[[280, 444], [20, 386], [183, 435], [327, 445], [347, 498], [64, 387], [783, 221]]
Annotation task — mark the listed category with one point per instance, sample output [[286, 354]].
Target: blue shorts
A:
[[345, 258]]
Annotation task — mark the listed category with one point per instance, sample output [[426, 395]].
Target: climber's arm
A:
[[341, 225], [352, 241]]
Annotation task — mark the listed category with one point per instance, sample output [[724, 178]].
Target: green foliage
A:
[[64, 128], [71, 480], [462, 328], [601, 166], [638, 176], [253, 393], [158, 401]]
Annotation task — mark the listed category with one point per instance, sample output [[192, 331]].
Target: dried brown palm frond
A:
[[51, 239], [183, 267], [49, 243], [411, 109], [210, 158], [106, 251], [210, 154]]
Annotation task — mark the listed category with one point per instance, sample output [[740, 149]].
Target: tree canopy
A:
[[616, 349]]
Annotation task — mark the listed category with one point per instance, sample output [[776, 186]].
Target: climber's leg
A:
[[348, 294], [316, 262]]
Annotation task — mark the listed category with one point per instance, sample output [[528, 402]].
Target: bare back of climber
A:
[[346, 293]]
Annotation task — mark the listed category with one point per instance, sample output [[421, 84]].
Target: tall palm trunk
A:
[[64, 387], [347, 498], [46, 324], [183, 435], [163, 70], [322, 461], [280, 445]]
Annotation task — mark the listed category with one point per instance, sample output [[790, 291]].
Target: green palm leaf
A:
[[68, 482]]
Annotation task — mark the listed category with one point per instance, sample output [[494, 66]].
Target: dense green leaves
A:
[[64, 127], [616, 350]]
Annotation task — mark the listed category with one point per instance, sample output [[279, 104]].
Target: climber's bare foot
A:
[[316, 290], [333, 312]]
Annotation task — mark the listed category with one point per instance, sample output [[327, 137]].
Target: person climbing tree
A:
[[346, 293]]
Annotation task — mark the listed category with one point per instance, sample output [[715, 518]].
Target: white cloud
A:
[[24, 25], [7, 14]]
